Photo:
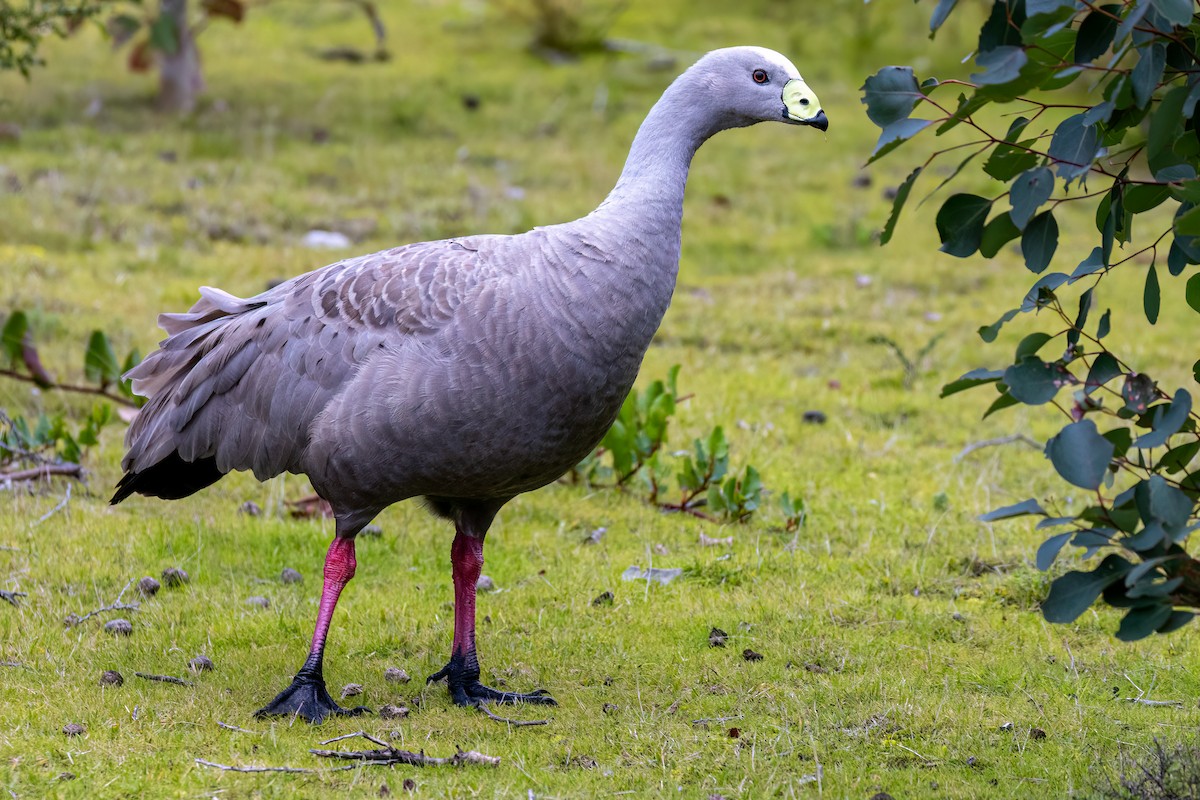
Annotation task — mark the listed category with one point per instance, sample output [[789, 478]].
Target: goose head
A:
[[747, 85]]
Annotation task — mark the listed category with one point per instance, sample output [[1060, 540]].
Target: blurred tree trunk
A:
[[180, 81]]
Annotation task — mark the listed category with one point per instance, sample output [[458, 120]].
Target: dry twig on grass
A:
[[42, 471], [516, 723], [387, 755], [116, 605], [231, 768], [164, 679], [229, 727], [707, 720], [61, 505], [1015, 437]]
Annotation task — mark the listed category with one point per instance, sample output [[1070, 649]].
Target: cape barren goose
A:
[[466, 371]]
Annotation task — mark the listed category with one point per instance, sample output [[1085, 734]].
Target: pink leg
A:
[[462, 672], [339, 569], [466, 562], [307, 696]]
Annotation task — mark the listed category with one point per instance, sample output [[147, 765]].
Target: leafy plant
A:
[[49, 439], [23, 25], [640, 429], [1127, 143], [912, 366], [633, 452], [20, 360]]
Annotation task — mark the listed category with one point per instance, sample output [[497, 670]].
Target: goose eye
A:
[[760, 76]]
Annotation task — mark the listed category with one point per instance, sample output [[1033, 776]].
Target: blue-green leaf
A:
[[1167, 420], [1029, 191], [1073, 147], [1050, 549], [1033, 381], [1040, 241], [1080, 454], [960, 223], [902, 193], [1073, 593], [1021, 509], [1001, 65], [1151, 295], [890, 95]]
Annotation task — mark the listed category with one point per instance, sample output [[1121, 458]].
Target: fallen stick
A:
[[516, 723], [163, 679], [230, 768], [116, 605], [229, 727], [705, 721], [1015, 437], [1143, 701], [390, 755], [61, 505], [43, 471]]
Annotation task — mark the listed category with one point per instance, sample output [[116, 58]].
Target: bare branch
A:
[[72, 620], [389, 755], [42, 471], [228, 768], [516, 723], [163, 679], [61, 505], [707, 720], [1015, 437], [68, 387]]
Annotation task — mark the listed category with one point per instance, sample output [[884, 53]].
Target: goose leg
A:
[[307, 696], [462, 671]]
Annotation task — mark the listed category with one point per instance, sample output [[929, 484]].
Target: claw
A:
[[309, 700]]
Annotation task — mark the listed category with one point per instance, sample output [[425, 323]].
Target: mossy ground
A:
[[899, 634]]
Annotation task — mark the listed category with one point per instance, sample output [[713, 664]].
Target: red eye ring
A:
[[760, 76]]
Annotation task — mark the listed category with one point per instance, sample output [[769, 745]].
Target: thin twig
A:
[[229, 768], [389, 755], [163, 678], [1144, 702], [61, 505], [11, 596], [13, 664], [516, 723], [350, 736], [116, 605], [69, 387], [43, 471], [1014, 437], [707, 720], [229, 727]]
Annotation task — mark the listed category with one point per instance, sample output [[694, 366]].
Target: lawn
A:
[[902, 647]]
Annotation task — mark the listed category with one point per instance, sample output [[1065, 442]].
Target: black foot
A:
[[308, 699], [462, 676]]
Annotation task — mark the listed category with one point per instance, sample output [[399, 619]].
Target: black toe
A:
[[309, 700]]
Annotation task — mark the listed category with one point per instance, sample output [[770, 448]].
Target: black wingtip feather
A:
[[170, 479]]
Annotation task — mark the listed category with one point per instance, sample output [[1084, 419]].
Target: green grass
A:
[[919, 622]]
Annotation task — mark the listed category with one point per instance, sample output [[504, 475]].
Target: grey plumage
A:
[[479, 367]]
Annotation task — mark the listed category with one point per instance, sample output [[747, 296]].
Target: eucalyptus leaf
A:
[[1073, 593], [902, 193], [1030, 190], [1039, 242], [1080, 454], [1021, 509], [890, 95], [1167, 423], [960, 223]]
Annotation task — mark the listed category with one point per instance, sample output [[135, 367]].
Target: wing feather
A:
[[242, 380]]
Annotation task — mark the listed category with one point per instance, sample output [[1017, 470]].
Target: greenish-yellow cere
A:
[[800, 101]]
